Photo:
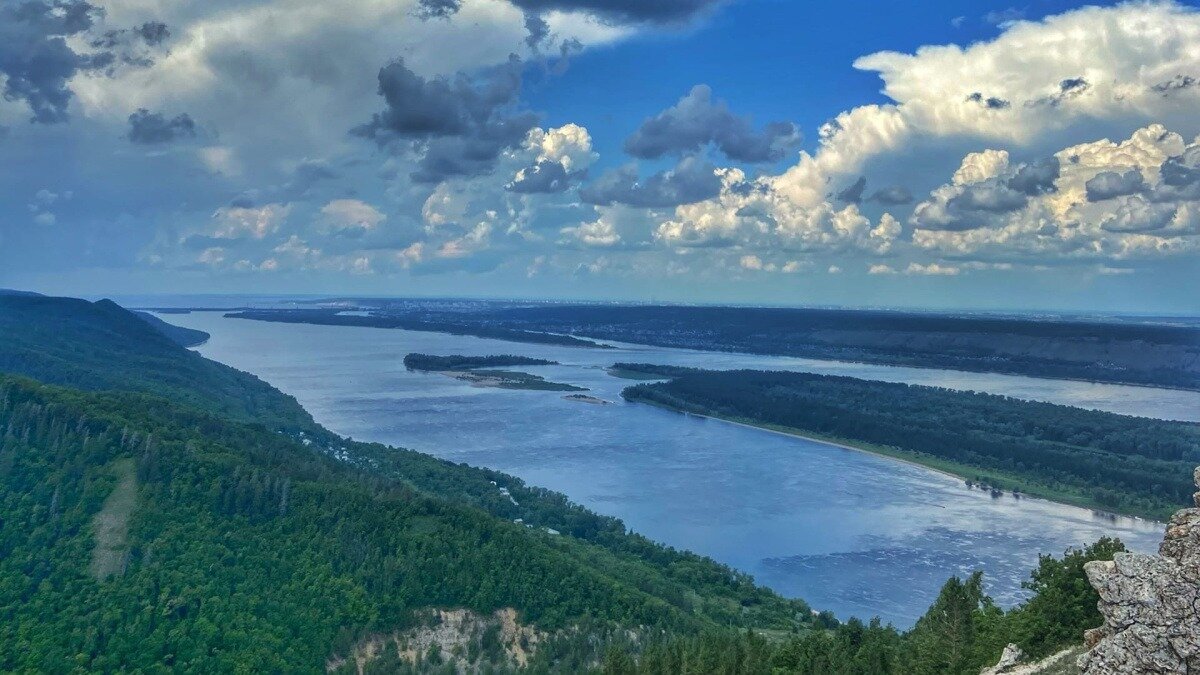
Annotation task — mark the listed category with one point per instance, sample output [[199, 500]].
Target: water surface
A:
[[847, 531]]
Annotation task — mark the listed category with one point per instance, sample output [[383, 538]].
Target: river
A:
[[848, 531]]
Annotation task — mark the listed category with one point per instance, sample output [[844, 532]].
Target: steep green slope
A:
[[101, 346], [186, 337], [263, 547]]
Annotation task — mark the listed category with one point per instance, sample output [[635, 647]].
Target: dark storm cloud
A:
[[989, 102], [692, 180], [1110, 184], [980, 204], [538, 30], [987, 197], [853, 193], [1177, 83], [459, 125], [149, 128], [153, 33], [1067, 89], [1182, 170], [35, 59], [697, 121], [544, 177], [438, 9], [608, 11], [306, 175], [625, 11], [893, 195], [1037, 177]]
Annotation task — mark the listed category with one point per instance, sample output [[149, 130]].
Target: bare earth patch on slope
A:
[[110, 527]]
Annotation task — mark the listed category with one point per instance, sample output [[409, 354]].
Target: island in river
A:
[[480, 371], [1130, 465]]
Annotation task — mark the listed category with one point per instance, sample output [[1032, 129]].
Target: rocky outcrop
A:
[[1151, 606], [450, 640], [1010, 660]]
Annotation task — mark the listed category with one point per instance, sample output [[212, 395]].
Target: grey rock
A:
[[1151, 606], [1009, 661]]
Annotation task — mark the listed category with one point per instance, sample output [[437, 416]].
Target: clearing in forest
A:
[[110, 527]]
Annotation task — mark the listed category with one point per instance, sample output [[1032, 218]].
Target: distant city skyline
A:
[[1040, 157]]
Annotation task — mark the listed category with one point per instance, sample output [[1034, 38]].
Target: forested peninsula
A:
[[1128, 465]]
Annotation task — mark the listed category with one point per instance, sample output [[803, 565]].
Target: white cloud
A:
[[1068, 224], [1037, 87], [569, 145], [342, 214], [257, 222], [931, 269], [751, 262], [600, 233]]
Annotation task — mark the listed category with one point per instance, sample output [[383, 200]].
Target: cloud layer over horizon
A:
[[203, 142]]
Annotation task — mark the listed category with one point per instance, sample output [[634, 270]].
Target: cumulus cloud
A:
[[351, 214], [1111, 201], [562, 157], [1066, 79], [757, 215], [985, 188], [691, 180], [931, 269], [235, 221], [35, 58], [600, 233], [460, 125], [149, 128], [697, 121], [1110, 184]]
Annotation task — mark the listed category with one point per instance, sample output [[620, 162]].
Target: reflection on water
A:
[[848, 531]]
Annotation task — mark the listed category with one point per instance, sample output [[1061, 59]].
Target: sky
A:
[[928, 155]]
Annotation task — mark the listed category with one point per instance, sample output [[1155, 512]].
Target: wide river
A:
[[847, 531]]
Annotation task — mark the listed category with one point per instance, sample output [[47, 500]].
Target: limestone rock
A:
[[1009, 660], [1151, 606]]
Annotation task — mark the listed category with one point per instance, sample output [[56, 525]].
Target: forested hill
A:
[[163, 511], [1127, 464], [187, 337], [101, 346]]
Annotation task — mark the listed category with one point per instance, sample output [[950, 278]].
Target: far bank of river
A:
[[980, 478]]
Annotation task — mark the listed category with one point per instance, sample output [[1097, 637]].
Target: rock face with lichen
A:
[[1151, 605]]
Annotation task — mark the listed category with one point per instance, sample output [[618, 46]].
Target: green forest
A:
[[480, 371], [451, 325], [1124, 464], [161, 512], [417, 361]]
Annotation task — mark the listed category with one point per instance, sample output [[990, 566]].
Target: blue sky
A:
[[937, 154]]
